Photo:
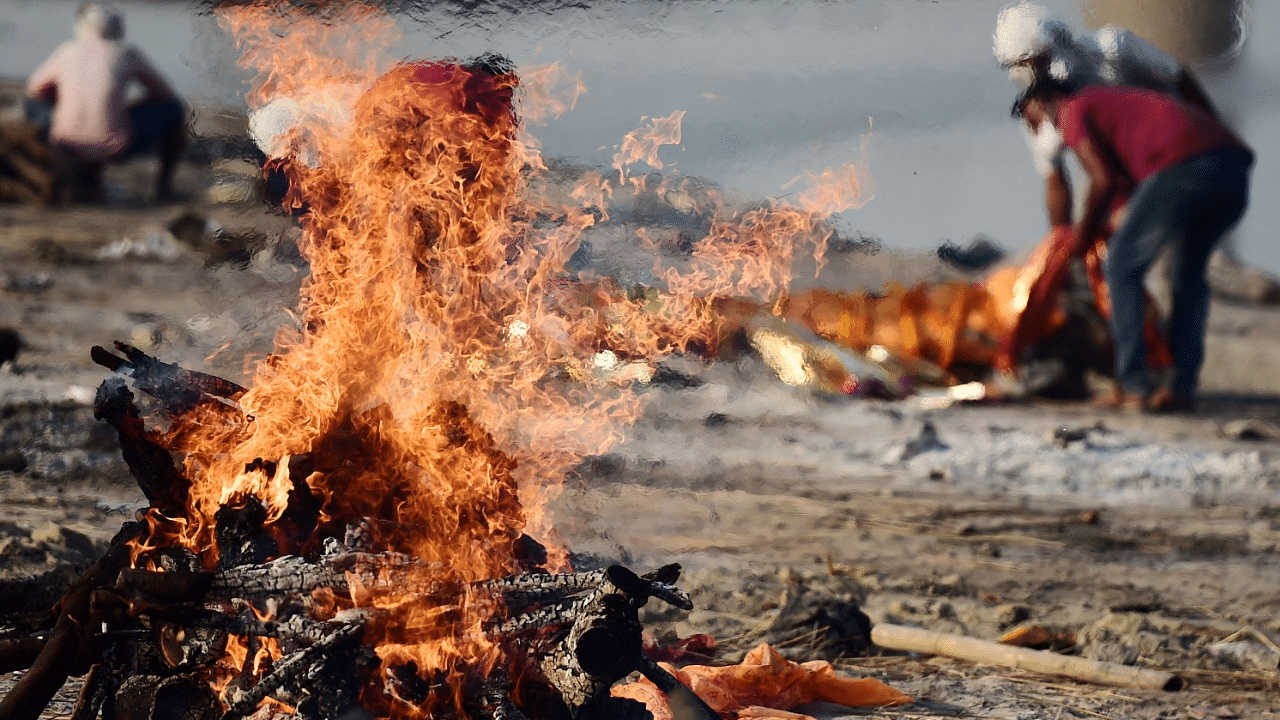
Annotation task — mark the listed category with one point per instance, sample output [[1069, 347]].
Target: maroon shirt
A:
[[1146, 130]]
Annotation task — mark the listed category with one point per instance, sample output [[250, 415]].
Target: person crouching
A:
[[81, 94]]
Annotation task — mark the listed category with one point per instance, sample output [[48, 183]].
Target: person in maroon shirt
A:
[[1186, 177]]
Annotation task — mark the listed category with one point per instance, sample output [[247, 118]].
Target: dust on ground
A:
[[1145, 540]]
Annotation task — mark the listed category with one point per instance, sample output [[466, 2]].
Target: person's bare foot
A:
[[1163, 400], [1117, 399]]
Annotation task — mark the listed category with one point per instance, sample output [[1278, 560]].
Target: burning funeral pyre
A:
[[360, 531]]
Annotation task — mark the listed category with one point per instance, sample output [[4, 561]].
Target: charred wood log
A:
[[240, 534], [685, 704], [302, 512], [92, 694], [288, 575], [523, 593], [607, 707], [153, 697], [68, 650], [496, 703], [178, 389], [296, 666], [102, 684], [603, 645], [152, 466], [165, 587]]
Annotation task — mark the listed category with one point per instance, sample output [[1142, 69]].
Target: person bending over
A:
[[1186, 176], [1031, 47]]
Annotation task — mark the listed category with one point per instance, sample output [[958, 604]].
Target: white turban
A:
[[1023, 31]]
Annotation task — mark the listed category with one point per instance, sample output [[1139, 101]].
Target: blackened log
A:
[[302, 513], [103, 682], [152, 697], [559, 613], [68, 648], [152, 466], [92, 694], [531, 554], [607, 707], [495, 700], [240, 534], [288, 575], [178, 389], [603, 645], [523, 593], [166, 587], [539, 587], [667, 574], [296, 629], [529, 589], [290, 668]]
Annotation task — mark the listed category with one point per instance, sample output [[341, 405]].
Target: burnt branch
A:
[[288, 575], [523, 593], [532, 589], [152, 466], [178, 389], [289, 669]]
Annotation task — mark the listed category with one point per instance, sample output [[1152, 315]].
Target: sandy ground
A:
[[1150, 540]]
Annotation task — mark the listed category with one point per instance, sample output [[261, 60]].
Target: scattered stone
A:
[[1230, 279], [1249, 430], [50, 251], [12, 461], [1248, 654], [10, 343], [979, 255], [159, 245], [26, 282], [926, 441]]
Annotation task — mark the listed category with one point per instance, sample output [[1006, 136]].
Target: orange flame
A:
[[444, 373]]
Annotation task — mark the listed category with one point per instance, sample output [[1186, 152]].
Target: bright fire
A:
[[445, 372]]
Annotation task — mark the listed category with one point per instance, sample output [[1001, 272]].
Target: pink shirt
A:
[[88, 78], [1148, 131]]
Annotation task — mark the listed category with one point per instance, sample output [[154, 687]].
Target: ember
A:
[[362, 527]]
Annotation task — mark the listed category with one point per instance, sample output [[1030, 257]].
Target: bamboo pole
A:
[[898, 637]]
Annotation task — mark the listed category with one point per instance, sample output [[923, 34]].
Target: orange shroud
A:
[[765, 685], [1030, 304]]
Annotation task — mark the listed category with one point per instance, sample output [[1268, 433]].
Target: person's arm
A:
[[142, 71], [43, 83], [1107, 179], [1057, 196], [1047, 152]]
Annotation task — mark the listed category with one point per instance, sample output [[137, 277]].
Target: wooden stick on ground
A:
[[898, 637]]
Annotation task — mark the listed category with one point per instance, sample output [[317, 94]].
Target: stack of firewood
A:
[[149, 639]]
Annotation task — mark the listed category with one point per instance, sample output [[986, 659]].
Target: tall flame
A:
[[439, 381]]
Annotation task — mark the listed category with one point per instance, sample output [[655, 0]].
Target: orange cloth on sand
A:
[[1032, 313], [766, 686]]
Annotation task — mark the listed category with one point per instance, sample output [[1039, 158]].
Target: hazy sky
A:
[[770, 90]]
